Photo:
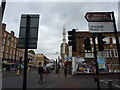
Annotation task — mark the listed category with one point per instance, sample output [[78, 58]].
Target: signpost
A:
[[32, 32], [98, 16], [102, 22], [28, 38], [100, 27]]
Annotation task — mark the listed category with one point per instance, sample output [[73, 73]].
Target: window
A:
[[15, 40], [8, 42], [96, 40], [10, 57], [11, 50], [98, 54], [6, 49], [107, 39], [6, 56], [14, 45], [14, 51], [109, 53], [104, 54], [3, 48], [4, 41], [9, 37], [4, 34], [115, 53], [17, 53], [113, 39], [90, 55], [91, 41], [12, 38], [11, 44]]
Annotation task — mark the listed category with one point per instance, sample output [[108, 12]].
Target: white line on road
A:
[[112, 84]]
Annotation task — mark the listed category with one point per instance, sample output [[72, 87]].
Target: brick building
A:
[[10, 53], [109, 53], [41, 58]]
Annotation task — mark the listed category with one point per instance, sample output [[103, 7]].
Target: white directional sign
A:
[[100, 27]]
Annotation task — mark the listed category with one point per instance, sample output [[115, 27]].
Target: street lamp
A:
[[57, 57]]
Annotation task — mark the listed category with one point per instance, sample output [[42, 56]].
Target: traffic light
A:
[[72, 39], [87, 44], [101, 42]]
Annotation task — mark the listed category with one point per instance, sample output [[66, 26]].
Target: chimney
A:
[[12, 33], [3, 26]]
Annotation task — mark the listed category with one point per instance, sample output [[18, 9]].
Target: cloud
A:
[[53, 15]]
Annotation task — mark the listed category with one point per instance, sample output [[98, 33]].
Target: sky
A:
[[53, 16]]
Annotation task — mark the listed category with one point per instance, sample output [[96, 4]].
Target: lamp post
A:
[[57, 56]]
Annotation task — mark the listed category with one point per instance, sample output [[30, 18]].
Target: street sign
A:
[[32, 32], [98, 16], [100, 27]]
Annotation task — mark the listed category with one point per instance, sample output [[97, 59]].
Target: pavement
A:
[[53, 80]]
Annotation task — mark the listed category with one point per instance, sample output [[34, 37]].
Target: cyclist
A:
[[40, 72]]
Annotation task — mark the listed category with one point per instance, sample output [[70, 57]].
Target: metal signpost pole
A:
[[97, 69], [116, 36], [117, 42], [26, 53]]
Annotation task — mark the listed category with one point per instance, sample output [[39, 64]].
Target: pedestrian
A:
[[58, 69], [65, 71], [40, 72], [47, 70]]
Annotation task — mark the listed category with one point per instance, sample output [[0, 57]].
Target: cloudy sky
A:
[[53, 16]]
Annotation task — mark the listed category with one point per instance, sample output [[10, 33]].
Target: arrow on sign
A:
[[98, 16]]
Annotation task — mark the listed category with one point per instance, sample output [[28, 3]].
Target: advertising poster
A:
[[101, 63]]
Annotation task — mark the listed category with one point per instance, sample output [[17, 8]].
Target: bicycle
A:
[[41, 78]]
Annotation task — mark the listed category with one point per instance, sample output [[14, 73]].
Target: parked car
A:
[[51, 66]]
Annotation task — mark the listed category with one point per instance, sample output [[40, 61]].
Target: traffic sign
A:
[[98, 16], [32, 32], [100, 27]]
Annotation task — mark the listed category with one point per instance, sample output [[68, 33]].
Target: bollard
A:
[[110, 86], [18, 72], [95, 78]]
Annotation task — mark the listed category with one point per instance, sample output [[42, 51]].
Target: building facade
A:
[[10, 53], [109, 53], [64, 55], [41, 58]]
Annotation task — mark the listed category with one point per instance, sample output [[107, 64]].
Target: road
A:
[[11, 80]]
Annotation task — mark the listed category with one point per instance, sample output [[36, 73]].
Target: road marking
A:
[[112, 84]]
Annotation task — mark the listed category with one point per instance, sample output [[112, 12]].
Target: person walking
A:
[[58, 69], [65, 71], [40, 72]]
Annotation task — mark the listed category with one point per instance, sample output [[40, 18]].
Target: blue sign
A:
[[69, 58], [101, 63]]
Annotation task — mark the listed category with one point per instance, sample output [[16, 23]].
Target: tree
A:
[[32, 52]]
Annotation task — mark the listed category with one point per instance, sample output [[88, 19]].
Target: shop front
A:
[[8, 66]]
